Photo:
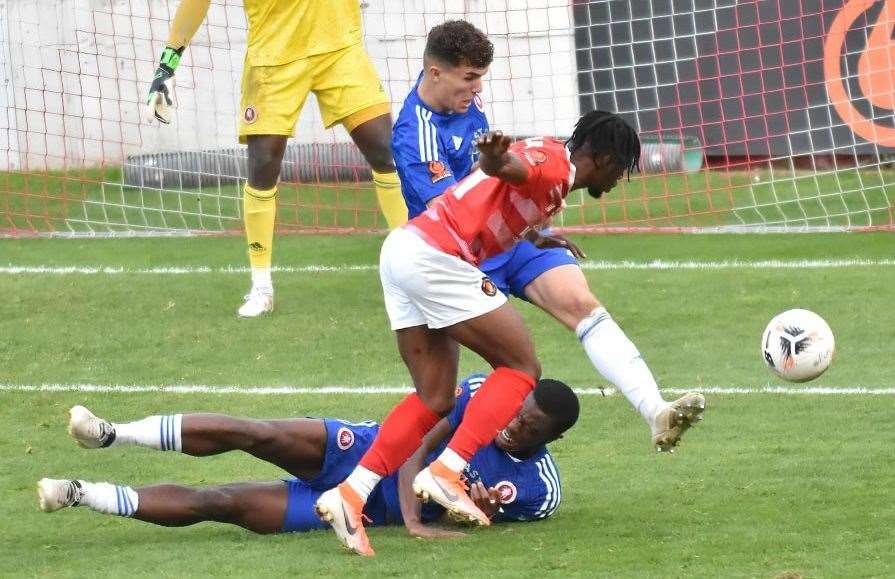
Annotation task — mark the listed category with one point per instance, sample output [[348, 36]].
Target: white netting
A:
[[741, 122]]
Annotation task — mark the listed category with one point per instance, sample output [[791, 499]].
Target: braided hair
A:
[[607, 132]]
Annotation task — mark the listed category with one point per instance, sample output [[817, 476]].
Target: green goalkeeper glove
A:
[[159, 102]]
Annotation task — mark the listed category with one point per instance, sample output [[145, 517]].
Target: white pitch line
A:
[[658, 264], [367, 390]]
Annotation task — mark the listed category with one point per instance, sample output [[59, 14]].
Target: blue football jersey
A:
[[530, 488], [433, 150]]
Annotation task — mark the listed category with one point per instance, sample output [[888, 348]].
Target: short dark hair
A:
[[559, 402], [457, 42], [607, 132]]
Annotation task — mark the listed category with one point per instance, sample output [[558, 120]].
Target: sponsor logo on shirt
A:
[[507, 491], [438, 171], [344, 438]]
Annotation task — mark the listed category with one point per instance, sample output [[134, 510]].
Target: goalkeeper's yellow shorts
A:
[[344, 82]]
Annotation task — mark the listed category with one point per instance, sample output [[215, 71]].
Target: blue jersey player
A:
[[512, 479], [433, 146]]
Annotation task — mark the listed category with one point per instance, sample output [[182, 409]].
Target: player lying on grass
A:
[[294, 47], [514, 478], [434, 147], [437, 298]]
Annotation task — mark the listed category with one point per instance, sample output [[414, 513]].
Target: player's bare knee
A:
[[216, 504], [441, 403], [380, 158], [261, 433], [531, 367], [265, 155], [580, 305]]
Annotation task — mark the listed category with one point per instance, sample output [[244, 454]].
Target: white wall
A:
[[75, 73]]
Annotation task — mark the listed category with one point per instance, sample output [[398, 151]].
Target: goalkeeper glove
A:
[[159, 100]]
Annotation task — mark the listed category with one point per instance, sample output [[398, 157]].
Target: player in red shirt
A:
[[437, 298], [482, 215]]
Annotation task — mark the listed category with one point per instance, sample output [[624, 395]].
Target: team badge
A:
[[438, 170], [536, 157], [458, 392], [344, 438], [507, 491], [250, 115], [488, 287]]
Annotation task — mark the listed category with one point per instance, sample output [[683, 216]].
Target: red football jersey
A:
[[482, 216]]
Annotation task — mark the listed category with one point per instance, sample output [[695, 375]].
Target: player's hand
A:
[[422, 531], [487, 500], [159, 102], [493, 144], [548, 241]]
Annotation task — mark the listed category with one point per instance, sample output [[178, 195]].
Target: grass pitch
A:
[[769, 485]]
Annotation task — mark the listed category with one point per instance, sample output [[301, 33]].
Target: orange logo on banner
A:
[[876, 69]]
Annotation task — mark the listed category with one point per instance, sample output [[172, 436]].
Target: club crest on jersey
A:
[[488, 287], [535, 157], [250, 115], [507, 491], [458, 392], [438, 170], [344, 438]]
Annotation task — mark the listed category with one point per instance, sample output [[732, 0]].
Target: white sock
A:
[[261, 278], [616, 358], [452, 460], [363, 481], [108, 498], [158, 432]]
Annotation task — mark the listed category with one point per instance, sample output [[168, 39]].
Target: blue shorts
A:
[[346, 443], [513, 270]]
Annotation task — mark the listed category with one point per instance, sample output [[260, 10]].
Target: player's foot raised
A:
[[671, 422], [258, 301], [54, 494], [342, 508], [89, 431], [439, 483]]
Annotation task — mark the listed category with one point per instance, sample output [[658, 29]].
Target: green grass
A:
[[767, 485], [94, 200]]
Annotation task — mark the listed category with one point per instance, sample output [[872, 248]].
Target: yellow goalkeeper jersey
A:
[[282, 31]]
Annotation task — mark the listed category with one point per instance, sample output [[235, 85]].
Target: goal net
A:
[[754, 115]]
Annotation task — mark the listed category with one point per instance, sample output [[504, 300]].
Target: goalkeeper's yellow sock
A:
[[391, 201], [259, 214]]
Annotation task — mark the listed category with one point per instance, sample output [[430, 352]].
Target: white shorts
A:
[[425, 286]]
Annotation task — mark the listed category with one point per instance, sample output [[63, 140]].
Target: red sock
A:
[[399, 436], [495, 404]]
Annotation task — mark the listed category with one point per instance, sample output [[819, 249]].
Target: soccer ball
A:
[[797, 345]]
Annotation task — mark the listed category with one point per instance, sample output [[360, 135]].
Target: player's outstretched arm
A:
[[189, 16], [410, 506], [542, 241], [496, 160]]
